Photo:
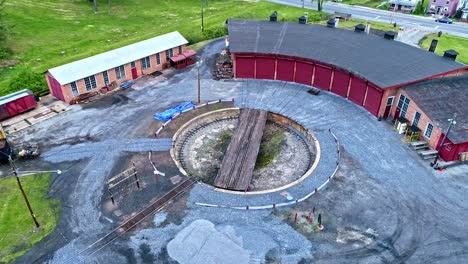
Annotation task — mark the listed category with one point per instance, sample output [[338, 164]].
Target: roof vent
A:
[[433, 46], [360, 28], [274, 16], [450, 54], [331, 22], [303, 20], [390, 35]]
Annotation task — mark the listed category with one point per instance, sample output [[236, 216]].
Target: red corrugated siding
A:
[[285, 70], [340, 83], [4, 112], [455, 149], [322, 77], [265, 68], [245, 67], [304, 73], [55, 88], [373, 99], [20, 105], [357, 91]]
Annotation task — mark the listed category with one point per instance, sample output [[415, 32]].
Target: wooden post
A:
[[13, 166], [111, 196], [295, 217], [136, 177]]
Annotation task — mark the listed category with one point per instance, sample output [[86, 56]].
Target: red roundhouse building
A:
[[366, 69]]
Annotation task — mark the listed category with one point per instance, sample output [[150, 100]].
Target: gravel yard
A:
[[385, 204]]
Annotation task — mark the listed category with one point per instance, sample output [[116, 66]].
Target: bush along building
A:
[[109, 69]]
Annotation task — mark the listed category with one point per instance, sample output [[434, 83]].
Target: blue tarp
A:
[[169, 113], [126, 85]]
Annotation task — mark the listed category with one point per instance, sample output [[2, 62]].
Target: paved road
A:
[[425, 23]]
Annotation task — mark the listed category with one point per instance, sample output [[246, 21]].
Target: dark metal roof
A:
[[383, 62], [439, 99]]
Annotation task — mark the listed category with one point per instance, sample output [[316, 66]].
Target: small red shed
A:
[[16, 103], [184, 59]]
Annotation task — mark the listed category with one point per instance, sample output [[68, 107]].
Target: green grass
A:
[[447, 42], [17, 230], [270, 147], [369, 3], [351, 23], [41, 30]]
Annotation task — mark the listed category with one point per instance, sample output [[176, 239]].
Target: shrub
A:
[[28, 79]]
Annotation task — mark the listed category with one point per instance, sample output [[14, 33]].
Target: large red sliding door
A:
[[245, 67], [55, 88], [285, 70], [265, 68], [304, 72], [340, 83], [373, 99], [322, 77], [357, 91]]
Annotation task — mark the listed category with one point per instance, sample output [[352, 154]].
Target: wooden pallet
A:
[[239, 160]]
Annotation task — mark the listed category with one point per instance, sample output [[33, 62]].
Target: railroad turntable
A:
[[245, 151]]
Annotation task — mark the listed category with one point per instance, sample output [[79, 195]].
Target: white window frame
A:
[[393, 100], [145, 63], [105, 77], [414, 118], [90, 82], [169, 54], [425, 130], [158, 58], [74, 89], [120, 72]]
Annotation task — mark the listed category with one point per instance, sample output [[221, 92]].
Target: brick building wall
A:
[[81, 86], [423, 121]]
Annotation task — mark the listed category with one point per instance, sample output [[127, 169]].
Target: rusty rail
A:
[[136, 219]]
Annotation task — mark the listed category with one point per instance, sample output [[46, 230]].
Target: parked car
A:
[[445, 20]]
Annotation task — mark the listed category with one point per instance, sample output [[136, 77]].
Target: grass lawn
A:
[[41, 30], [17, 230], [350, 24], [369, 3], [447, 42]]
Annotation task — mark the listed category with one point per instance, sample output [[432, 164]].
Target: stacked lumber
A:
[[239, 160]]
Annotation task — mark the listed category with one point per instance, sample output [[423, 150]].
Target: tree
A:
[[319, 4], [95, 5]]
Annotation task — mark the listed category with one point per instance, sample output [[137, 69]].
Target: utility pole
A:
[[452, 122], [95, 6], [198, 66], [13, 167], [201, 7]]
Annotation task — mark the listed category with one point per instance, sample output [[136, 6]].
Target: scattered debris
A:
[[223, 68]]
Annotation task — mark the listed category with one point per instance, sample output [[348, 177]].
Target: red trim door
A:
[[373, 99], [357, 91], [340, 83], [285, 70], [265, 68], [322, 77], [388, 107], [304, 72], [245, 67], [134, 73]]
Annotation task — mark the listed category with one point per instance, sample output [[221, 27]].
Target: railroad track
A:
[[136, 219]]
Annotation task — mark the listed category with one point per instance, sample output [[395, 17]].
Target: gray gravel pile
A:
[[259, 233]]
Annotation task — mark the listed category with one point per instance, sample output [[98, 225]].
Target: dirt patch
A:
[[284, 154]]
